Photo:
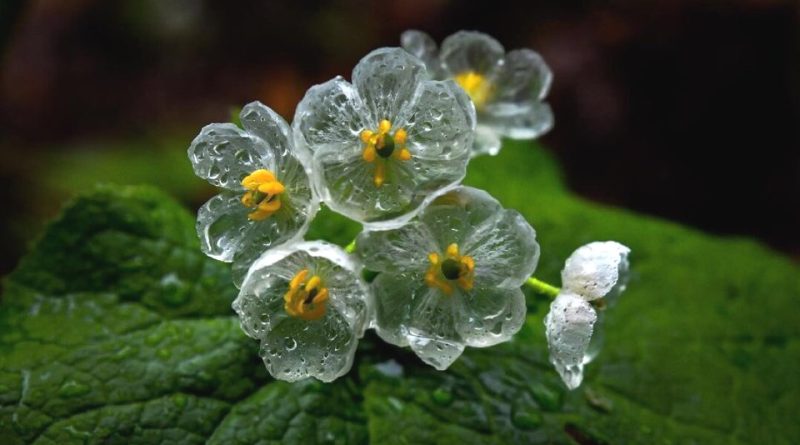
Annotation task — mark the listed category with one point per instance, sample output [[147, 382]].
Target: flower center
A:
[[382, 145], [305, 299], [453, 269], [263, 194], [477, 86]]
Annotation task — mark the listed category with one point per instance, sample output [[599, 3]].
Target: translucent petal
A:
[[347, 186], [386, 80], [296, 349], [490, 315], [504, 249], [268, 125], [453, 216], [395, 296], [431, 329], [293, 348], [223, 154], [595, 269], [396, 251], [523, 120], [221, 224], [487, 141], [467, 51], [422, 46], [524, 77], [440, 123], [330, 116], [569, 326]]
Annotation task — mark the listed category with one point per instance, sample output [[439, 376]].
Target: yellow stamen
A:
[[477, 86], [263, 194], [306, 302], [454, 268], [380, 146]]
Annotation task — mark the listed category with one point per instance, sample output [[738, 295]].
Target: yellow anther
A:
[[476, 85], [456, 268], [263, 194], [306, 302], [380, 146]]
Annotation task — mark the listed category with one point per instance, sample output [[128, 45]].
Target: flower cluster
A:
[[389, 150]]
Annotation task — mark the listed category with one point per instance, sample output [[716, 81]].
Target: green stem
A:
[[542, 287], [350, 248]]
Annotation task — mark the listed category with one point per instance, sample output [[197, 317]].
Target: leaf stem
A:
[[350, 248], [542, 287]]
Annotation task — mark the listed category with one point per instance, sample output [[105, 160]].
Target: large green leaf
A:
[[116, 329]]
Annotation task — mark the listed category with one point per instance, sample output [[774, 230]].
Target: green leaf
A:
[[116, 329]]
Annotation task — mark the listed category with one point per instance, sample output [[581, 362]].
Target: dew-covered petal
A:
[[470, 51], [523, 77], [261, 121], [395, 295], [487, 141], [431, 331], [422, 46], [569, 326], [223, 154], [398, 250], [221, 224], [518, 120], [386, 80], [294, 348], [596, 269], [453, 216], [346, 185], [504, 249], [329, 117], [490, 315], [440, 122]]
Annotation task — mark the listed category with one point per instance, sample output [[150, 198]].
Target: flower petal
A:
[[422, 46], [440, 122], [504, 249], [596, 269], [223, 154], [523, 120], [330, 116], [453, 216], [487, 141], [490, 315], [524, 77], [569, 326], [401, 250], [261, 121], [395, 295], [386, 79], [431, 330], [221, 224], [467, 51]]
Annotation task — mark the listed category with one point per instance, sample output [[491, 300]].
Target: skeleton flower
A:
[[451, 277], [508, 89], [308, 307], [381, 146], [594, 274], [266, 197]]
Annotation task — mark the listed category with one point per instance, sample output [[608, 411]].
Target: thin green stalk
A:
[[542, 287]]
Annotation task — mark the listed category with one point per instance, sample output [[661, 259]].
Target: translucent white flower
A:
[[381, 146], [451, 277], [597, 272], [266, 197], [308, 307], [508, 89]]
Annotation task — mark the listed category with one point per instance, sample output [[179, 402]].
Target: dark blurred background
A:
[[687, 110]]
